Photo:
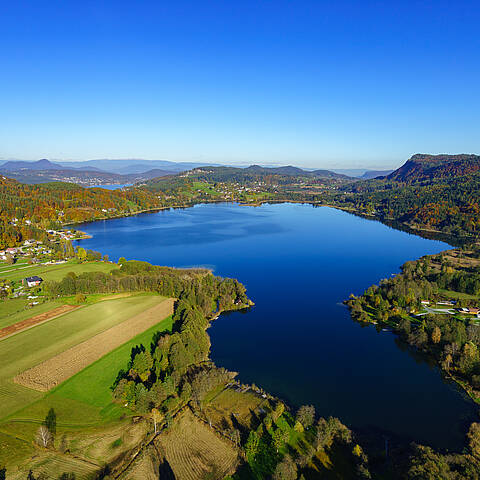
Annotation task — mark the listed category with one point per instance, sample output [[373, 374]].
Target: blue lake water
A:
[[299, 263]]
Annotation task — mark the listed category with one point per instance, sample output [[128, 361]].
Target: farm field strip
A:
[[57, 369], [35, 345], [18, 327]]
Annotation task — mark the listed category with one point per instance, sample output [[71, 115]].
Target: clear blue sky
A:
[[320, 83]]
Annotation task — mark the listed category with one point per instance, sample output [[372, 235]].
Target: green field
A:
[[13, 311], [458, 295], [28, 348], [206, 188], [52, 272]]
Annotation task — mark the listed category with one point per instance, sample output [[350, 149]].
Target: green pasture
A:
[[15, 310], [54, 272], [458, 295]]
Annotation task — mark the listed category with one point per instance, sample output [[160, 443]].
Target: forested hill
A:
[[421, 167], [294, 171], [255, 173], [66, 202], [433, 192]]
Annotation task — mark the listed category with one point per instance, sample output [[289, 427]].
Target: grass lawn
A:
[[13, 311], [28, 348], [54, 272], [458, 295]]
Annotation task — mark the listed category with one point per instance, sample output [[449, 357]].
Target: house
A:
[[33, 281], [425, 302], [473, 311], [11, 251]]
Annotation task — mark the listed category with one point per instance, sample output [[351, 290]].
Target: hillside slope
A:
[[421, 167]]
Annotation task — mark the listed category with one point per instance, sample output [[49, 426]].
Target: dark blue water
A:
[[299, 263]]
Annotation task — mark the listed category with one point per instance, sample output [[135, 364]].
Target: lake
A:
[[299, 263]]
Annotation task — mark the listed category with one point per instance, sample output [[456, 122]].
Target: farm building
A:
[[33, 281]]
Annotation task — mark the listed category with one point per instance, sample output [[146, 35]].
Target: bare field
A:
[[194, 451], [35, 320], [59, 368], [232, 400]]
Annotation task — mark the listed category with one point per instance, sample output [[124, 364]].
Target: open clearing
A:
[[54, 272], [88, 451], [35, 345], [35, 320], [16, 310], [233, 400], [57, 369], [194, 451]]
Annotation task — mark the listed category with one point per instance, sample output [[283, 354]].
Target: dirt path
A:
[[18, 327], [59, 368]]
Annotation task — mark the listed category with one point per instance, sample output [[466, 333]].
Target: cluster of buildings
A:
[[452, 303], [8, 251], [15, 221], [62, 234], [29, 248]]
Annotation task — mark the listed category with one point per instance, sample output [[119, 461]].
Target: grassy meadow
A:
[[53, 272], [16, 310]]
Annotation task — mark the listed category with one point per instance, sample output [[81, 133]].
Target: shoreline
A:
[[413, 229]]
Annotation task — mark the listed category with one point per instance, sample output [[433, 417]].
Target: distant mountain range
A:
[[121, 171], [44, 171], [127, 166], [43, 164], [375, 173]]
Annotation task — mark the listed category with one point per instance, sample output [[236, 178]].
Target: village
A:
[[448, 307], [19, 265]]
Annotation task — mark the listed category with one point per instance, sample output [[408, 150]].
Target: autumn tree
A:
[[278, 412], [473, 436], [156, 417], [285, 470], [44, 437], [436, 335], [235, 436], [81, 254], [306, 415]]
